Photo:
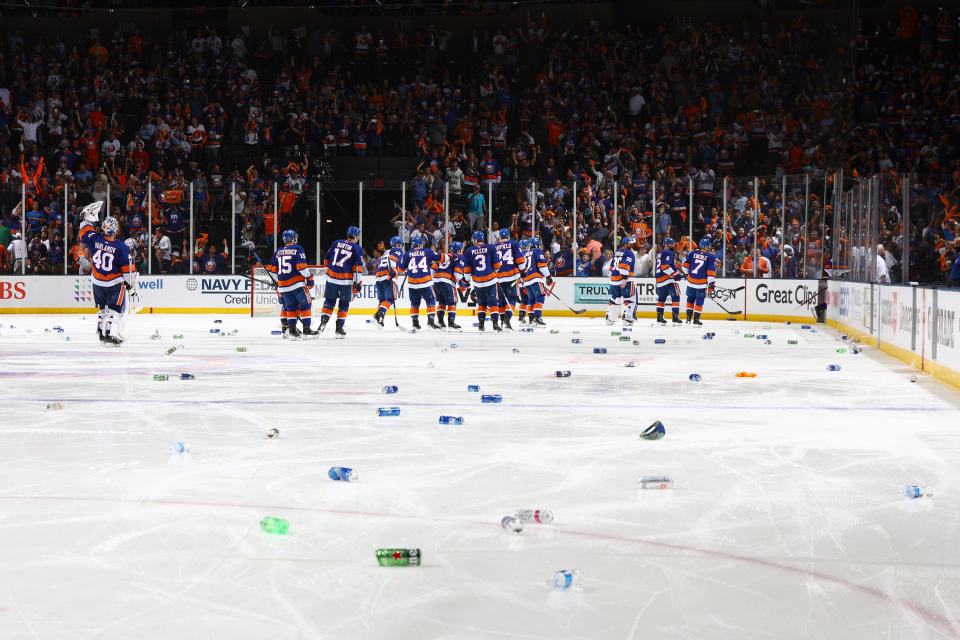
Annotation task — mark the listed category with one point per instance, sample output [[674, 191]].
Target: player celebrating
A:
[[511, 263], [418, 265], [667, 278], [622, 286], [112, 274], [701, 268], [344, 263], [294, 284], [386, 278], [535, 273], [525, 245], [480, 265], [447, 273]]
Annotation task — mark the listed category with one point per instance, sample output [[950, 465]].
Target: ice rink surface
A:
[[787, 519]]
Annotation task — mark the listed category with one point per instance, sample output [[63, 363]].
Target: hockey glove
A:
[[712, 287], [91, 212], [127, 286], [549, 281], [310, 283], [357, 286]]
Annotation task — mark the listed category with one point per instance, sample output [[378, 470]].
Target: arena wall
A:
[[735, 298], [919, 325]]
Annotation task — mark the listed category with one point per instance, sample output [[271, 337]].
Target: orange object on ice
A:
[[745, 374]]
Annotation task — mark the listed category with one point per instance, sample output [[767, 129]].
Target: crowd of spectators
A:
[[522, 115]]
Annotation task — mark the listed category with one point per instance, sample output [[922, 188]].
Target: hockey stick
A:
[[811, 297], [398, 296], [576, 312], [728, 293], [276, 285], [259, 281], [732, 313]]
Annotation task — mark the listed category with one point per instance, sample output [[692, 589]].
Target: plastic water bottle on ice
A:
[[391, 388], [656, 482], [833, 367], [915, 492], [565, 580], [451, 419], [344, 474], [388, 411], [278, 526], [511, 524], [179, 447], [541, 516]]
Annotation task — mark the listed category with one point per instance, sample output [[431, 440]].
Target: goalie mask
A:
[[110, 227]]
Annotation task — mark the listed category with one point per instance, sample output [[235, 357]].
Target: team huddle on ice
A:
[[504, 275]]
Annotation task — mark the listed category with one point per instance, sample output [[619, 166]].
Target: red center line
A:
[[947, 624]]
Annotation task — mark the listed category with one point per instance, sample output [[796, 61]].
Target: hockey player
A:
[[294, 286], [344, 264], [535, 274], [447, 273], [480, 265], [622, 286], [417, 263], [667, 278], [387, 272], [700, 267], [511, 264], [525, 245], [112, 273]]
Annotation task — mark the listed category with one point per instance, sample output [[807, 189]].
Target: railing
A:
[[784, 226]]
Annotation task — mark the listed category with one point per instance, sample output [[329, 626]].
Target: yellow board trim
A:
[[937, 370], [865, 338]]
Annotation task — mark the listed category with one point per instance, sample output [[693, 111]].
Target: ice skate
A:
[[309, 333], [415, 321], [294, 332], [432, 324]]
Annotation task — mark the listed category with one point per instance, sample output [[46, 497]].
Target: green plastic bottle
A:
[[275, 525], [841, 350], [399, 557]]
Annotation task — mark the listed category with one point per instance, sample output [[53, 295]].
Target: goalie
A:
[[113, 274], [294, 286]]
